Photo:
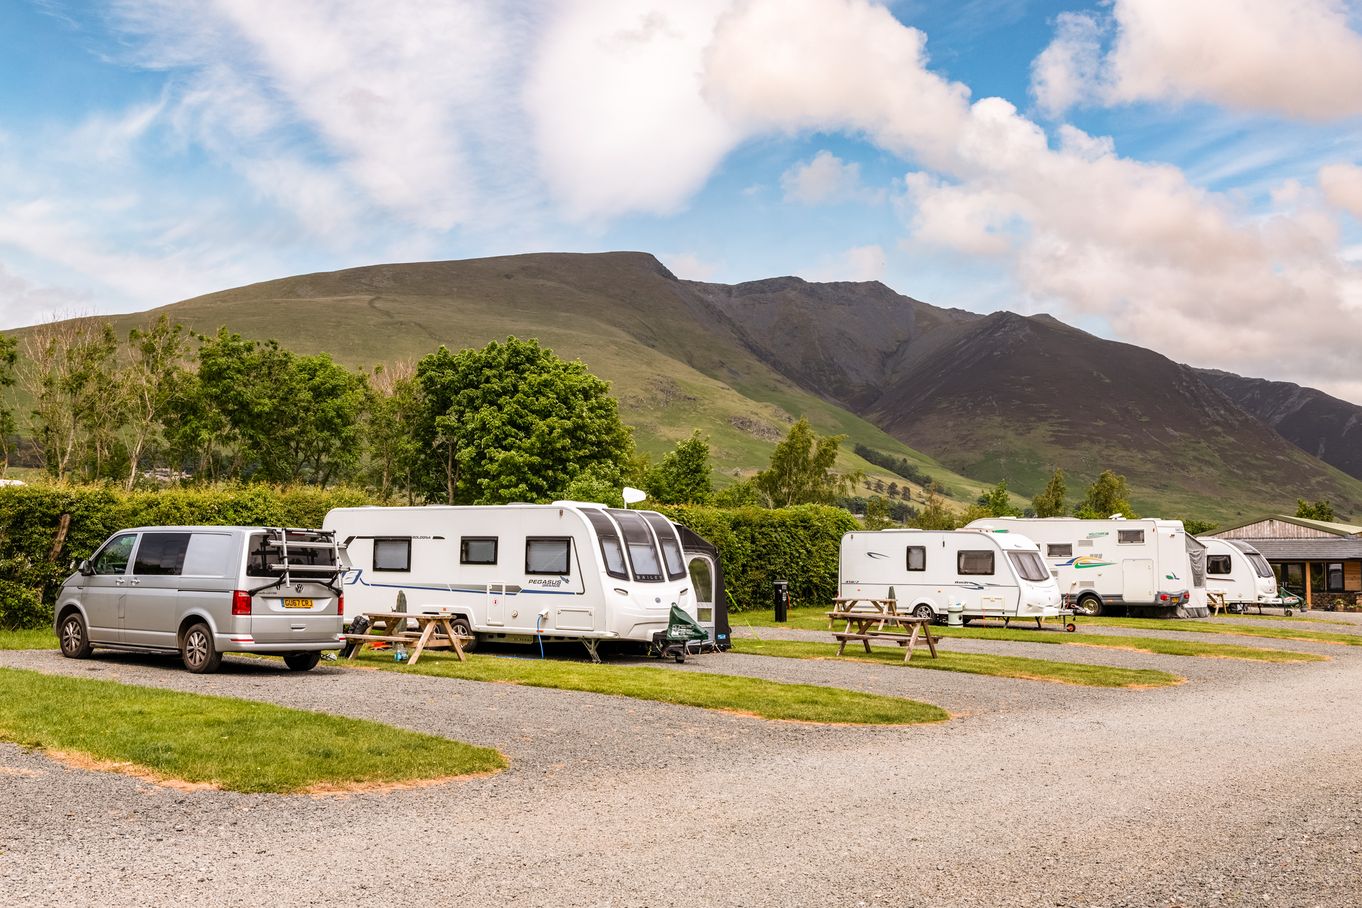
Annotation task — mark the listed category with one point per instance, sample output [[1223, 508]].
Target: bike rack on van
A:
[[293, 547]]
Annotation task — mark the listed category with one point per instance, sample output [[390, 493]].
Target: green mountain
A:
[[968, 399]]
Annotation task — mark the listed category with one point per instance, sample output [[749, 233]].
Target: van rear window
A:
[[262, 557]]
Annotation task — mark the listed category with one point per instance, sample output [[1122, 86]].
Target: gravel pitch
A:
[[1236, 788]]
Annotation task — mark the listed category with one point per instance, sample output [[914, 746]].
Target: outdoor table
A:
[[391, 627], [864, 612]]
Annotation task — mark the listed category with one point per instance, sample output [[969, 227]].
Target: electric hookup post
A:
[[781, 590]]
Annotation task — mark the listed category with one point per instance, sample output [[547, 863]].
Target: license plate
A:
[[297, 603]]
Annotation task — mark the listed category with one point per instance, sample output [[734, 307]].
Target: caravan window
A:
[[1260, 564], [917, 558], [671, 546], [1219, 565], [1130, 537], [548, 555], [611, 548], [642, 548], [392, 554], [974, 562], [1029, 566], [1059, 550], [478, 550]]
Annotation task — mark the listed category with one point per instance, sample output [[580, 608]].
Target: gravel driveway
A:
[[1237, 788]]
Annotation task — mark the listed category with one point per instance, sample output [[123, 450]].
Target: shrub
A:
[[22, 607], [800, 544]]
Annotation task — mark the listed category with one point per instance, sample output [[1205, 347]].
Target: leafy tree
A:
[[878, 486], [289, 418], [150, 383], [68, 374], [388, 425], [1316, 510], [801, 470], [9, 355], [934, 515], [683, 474], [1050, 502], [893, 490], [1108, 495], [514, 422], [997, 503], [1197, 527], [739, 495], [877, 514]]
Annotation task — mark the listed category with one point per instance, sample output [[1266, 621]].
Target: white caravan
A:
[[1145, 565], [985, 574], [1238, 570], [569, 570]]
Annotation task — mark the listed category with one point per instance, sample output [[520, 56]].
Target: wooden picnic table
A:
[[881, 613], [432, 632]]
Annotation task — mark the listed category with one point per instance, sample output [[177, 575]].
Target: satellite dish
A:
[[633, 495]]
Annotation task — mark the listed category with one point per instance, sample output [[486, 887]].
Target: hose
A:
[[539, 637]]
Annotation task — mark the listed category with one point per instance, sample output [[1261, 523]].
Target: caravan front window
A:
[[1029, 566], [671, 546], [1260, 565], [638, 540], [611, 549]]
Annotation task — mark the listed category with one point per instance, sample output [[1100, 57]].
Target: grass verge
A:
[[36, 638], [1194, 626], [729, 693], [233, 744], [970, 663], [816, 619]]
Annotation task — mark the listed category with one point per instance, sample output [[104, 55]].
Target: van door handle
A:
[[134, 581], [118, 581]]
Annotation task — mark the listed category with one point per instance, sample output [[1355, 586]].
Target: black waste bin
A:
[[781, 592]]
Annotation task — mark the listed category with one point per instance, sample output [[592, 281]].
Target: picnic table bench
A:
[[432, 632], [871, 617]]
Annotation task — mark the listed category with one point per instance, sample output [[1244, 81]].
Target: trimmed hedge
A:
[[759, 545], [31, 518]]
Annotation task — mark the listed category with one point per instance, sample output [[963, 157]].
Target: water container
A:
[[955, 613]]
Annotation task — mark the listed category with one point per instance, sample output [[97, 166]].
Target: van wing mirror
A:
[[86, 568]]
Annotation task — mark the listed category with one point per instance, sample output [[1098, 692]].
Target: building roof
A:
[[1337, 548], [1323, 526]]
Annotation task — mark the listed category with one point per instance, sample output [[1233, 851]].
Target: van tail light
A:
[[241, 602], [340, 605]]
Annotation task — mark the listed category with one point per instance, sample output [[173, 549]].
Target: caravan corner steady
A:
[[568, 570], [1142, 566]]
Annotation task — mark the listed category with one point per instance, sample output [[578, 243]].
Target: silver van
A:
[[205, 591]]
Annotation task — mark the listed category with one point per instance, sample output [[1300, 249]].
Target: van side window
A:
[[161, 554], [208, 555], [1129, 537], [1218, 564], [548, 555], [114, 557], [1059, 550], [392, 554], [478, 550], [917, 558], [974, 562]]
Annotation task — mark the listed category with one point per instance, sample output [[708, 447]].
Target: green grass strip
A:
[[816, 619], [970, 663], [239, 745], [37, 638], [731, 693], [1193, 626]]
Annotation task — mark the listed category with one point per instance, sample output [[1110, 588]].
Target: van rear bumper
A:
[[236, 643]]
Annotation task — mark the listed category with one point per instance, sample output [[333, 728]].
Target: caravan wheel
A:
[[463, 628], [923, 611]]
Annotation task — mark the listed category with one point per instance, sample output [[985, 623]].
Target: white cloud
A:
[[825, 178], [1296, 58], [859, 263], [688, 266], [1342, 186]]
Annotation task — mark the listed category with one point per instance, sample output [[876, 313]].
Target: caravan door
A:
[[703, 573], [1139, 579]]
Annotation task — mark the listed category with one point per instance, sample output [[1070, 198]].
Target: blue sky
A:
[[1182, 176]]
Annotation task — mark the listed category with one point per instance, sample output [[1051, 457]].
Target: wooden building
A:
[[1319, 560]]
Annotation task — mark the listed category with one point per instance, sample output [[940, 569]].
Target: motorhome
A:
[[1240, 572], [935, 572], [567, 570], [1140, 566]]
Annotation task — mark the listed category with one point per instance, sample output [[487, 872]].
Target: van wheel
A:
[[75, 641], [1088, 605], [198, 652], [302, 662], [923, 611], [464, 629]]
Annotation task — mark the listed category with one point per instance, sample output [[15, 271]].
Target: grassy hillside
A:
[[623, 314]]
